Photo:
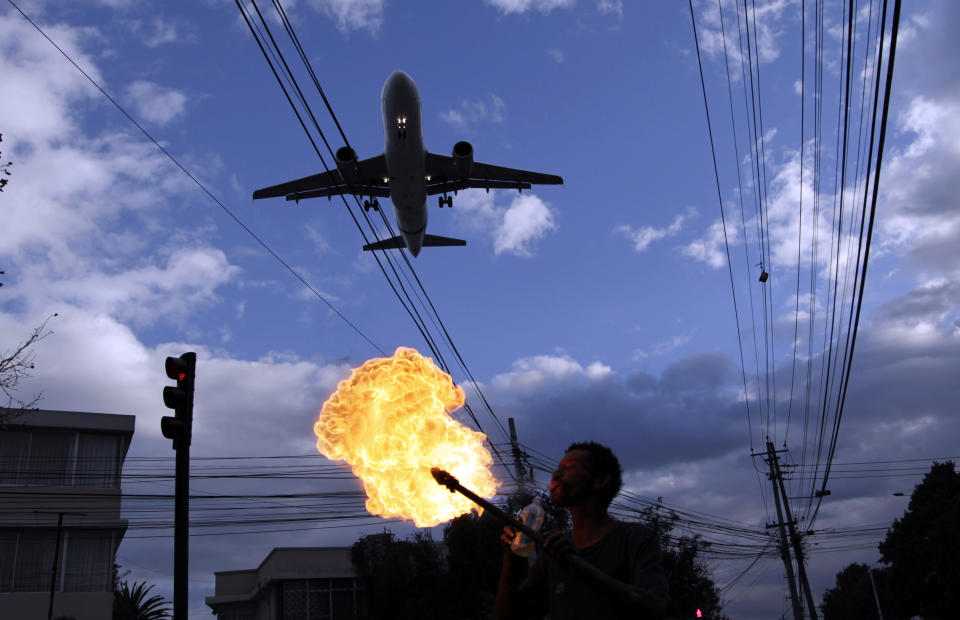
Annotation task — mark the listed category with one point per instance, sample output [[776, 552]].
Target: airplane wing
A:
[[444, 177], [369, 182]]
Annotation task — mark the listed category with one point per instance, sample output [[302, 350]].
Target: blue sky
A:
[[597, 309]]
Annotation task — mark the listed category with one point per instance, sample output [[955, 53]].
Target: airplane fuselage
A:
[[405, 157], [406, 173]]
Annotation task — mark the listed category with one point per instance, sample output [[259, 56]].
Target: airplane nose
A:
[[398, 82]]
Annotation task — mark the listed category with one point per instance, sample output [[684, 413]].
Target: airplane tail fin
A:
[[429, 241], [433, 241]]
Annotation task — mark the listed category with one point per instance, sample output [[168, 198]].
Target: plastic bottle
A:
[[532, 517]]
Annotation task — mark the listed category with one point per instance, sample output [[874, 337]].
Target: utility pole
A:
[[876, 598], [794, 537], [56, 554], [517, 454], [784, 545]]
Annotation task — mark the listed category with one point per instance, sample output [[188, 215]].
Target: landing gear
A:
[[371, 204], [445, 200], [402, 127]]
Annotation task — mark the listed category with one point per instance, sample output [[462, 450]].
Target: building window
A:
[[26, 560], [14, 448], [89, 561], [50, 458], [98, 461], [319, 599], [34, 560]]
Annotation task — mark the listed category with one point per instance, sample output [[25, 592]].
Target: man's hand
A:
[[557, 545], [506, 538]]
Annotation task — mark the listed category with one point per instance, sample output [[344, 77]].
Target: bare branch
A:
[[16, 366]]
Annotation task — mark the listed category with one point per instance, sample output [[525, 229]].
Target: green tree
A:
[[921, 549], [400, 579], [134, 603], [691, 586], [852, 596]]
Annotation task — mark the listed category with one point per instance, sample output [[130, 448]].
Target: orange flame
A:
[[390, 422]]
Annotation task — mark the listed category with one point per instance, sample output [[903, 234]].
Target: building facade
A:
[[60, 522], [292, 583]]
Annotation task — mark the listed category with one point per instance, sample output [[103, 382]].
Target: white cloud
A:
[[478, 112], [352, 14], [768, 18], [522, 6], [526, 219], [539, 371], [157, 31], [556, 54], [610, 7], [514, 228], [708, 249], [145, 294], [320, 243], [643, 236], [235, 398], [38, 88], [664, 347], [155, 103]]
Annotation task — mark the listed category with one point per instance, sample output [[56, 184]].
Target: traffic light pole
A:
[[181, 533], [179, 428]]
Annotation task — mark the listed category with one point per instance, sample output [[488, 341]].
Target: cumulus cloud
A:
[[610, 7], [508, 7], [539, 372], [352, 14], [643, 236], [471, 114], [157, 31], [155, 103], [665, 346], [514, 228], [708, 249], [769, 17]]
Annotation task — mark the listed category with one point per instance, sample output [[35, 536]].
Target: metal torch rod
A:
[[571, 561], [445, 479]]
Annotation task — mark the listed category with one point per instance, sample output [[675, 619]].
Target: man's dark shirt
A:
[[630, 553]]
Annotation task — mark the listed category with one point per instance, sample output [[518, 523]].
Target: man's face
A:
[[572, 482]]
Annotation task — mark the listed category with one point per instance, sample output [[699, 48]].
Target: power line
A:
[[196, 181]]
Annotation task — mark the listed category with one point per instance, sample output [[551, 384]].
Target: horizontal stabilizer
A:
[[429, 241], [435, 241], [393, 243]]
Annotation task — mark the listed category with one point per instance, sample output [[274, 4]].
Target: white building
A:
[[306, 583], [60, 468]]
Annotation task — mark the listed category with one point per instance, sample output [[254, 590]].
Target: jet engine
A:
[[463, 159], [347, 164]]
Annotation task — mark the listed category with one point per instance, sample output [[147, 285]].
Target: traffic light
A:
[[180, 399]]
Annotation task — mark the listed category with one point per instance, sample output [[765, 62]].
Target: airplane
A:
[[406, 173]]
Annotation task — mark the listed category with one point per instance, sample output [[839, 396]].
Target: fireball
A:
[[390, 421]]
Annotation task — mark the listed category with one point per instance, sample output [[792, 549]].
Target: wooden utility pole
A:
[[784, 545], [794, 537], [517, 454]]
